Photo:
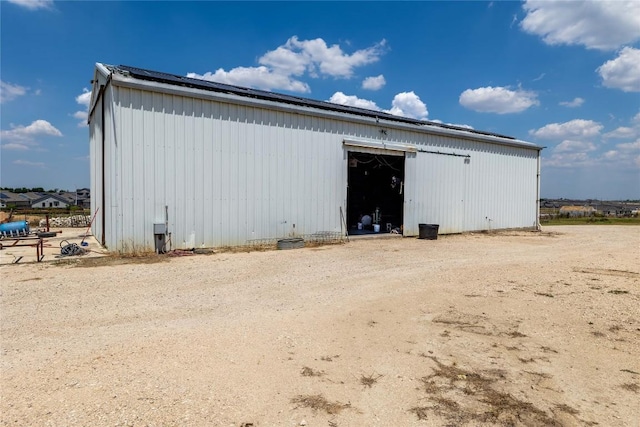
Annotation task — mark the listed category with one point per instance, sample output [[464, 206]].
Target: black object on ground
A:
[[428, 231]]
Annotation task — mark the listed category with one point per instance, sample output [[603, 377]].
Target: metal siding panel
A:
[[136, 169], [179, 235], [123, 201], [159, 148], [207, 172], [145, 221], [198, 170], [168, 162], [231, 174], [244, 142]]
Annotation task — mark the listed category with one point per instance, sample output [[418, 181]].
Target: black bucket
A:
[[428, 231]]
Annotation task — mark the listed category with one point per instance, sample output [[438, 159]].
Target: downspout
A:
[[538, 195], [104, 210]]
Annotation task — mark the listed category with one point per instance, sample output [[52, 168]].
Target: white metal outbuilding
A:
[[222, 165]]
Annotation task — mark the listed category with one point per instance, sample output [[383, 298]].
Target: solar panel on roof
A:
[[184, 81]]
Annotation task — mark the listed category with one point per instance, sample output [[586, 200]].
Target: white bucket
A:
[[376, 228], [359, 226]]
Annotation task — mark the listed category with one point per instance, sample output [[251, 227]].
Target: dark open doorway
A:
[[375, 189]]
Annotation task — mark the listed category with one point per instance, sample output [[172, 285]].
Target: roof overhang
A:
[[124, 78]]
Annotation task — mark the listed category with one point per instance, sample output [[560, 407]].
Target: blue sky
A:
[[564, 75]]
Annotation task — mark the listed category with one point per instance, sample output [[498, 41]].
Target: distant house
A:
[[575, 211], [10, 200], [83, 198], [69, 196], [54, 201], [83, 193]]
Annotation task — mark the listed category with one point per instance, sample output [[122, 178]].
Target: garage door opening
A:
[[375, 193]]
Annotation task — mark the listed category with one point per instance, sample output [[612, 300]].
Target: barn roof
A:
[[189, 82]]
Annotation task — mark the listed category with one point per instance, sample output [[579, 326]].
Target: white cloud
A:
[[540, 77], [296, 57], [81, 115], [626, 154], [9, 92], [577, 102], [405, 104], [622, 132], [603, 25], [15, 146], [500, 100], [353, 101], [622, 72], [23, 136], [33, 4], [636, 119], [28, 163], [569, 130], [408, 104], [569, 160], [83, 99], [570, 146], [629, 146], [256, 77], [374, 83]]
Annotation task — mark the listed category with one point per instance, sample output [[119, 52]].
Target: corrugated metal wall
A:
[[227, 173], [494, 188], [234, 173]]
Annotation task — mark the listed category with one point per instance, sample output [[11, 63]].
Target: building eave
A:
[[296, 105]]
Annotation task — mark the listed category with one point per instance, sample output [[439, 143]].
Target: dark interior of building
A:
[[375, 189]]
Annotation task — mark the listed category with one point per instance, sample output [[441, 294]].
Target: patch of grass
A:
[[465, 397], [421, 412], [634, 387], [540, 374], [369, 381], [318, 402], [115, 259], [592, 221], [329, 358], [544, 294], [308, 372], [516, 334]]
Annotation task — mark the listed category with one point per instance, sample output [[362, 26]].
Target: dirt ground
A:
[[515, 328]]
